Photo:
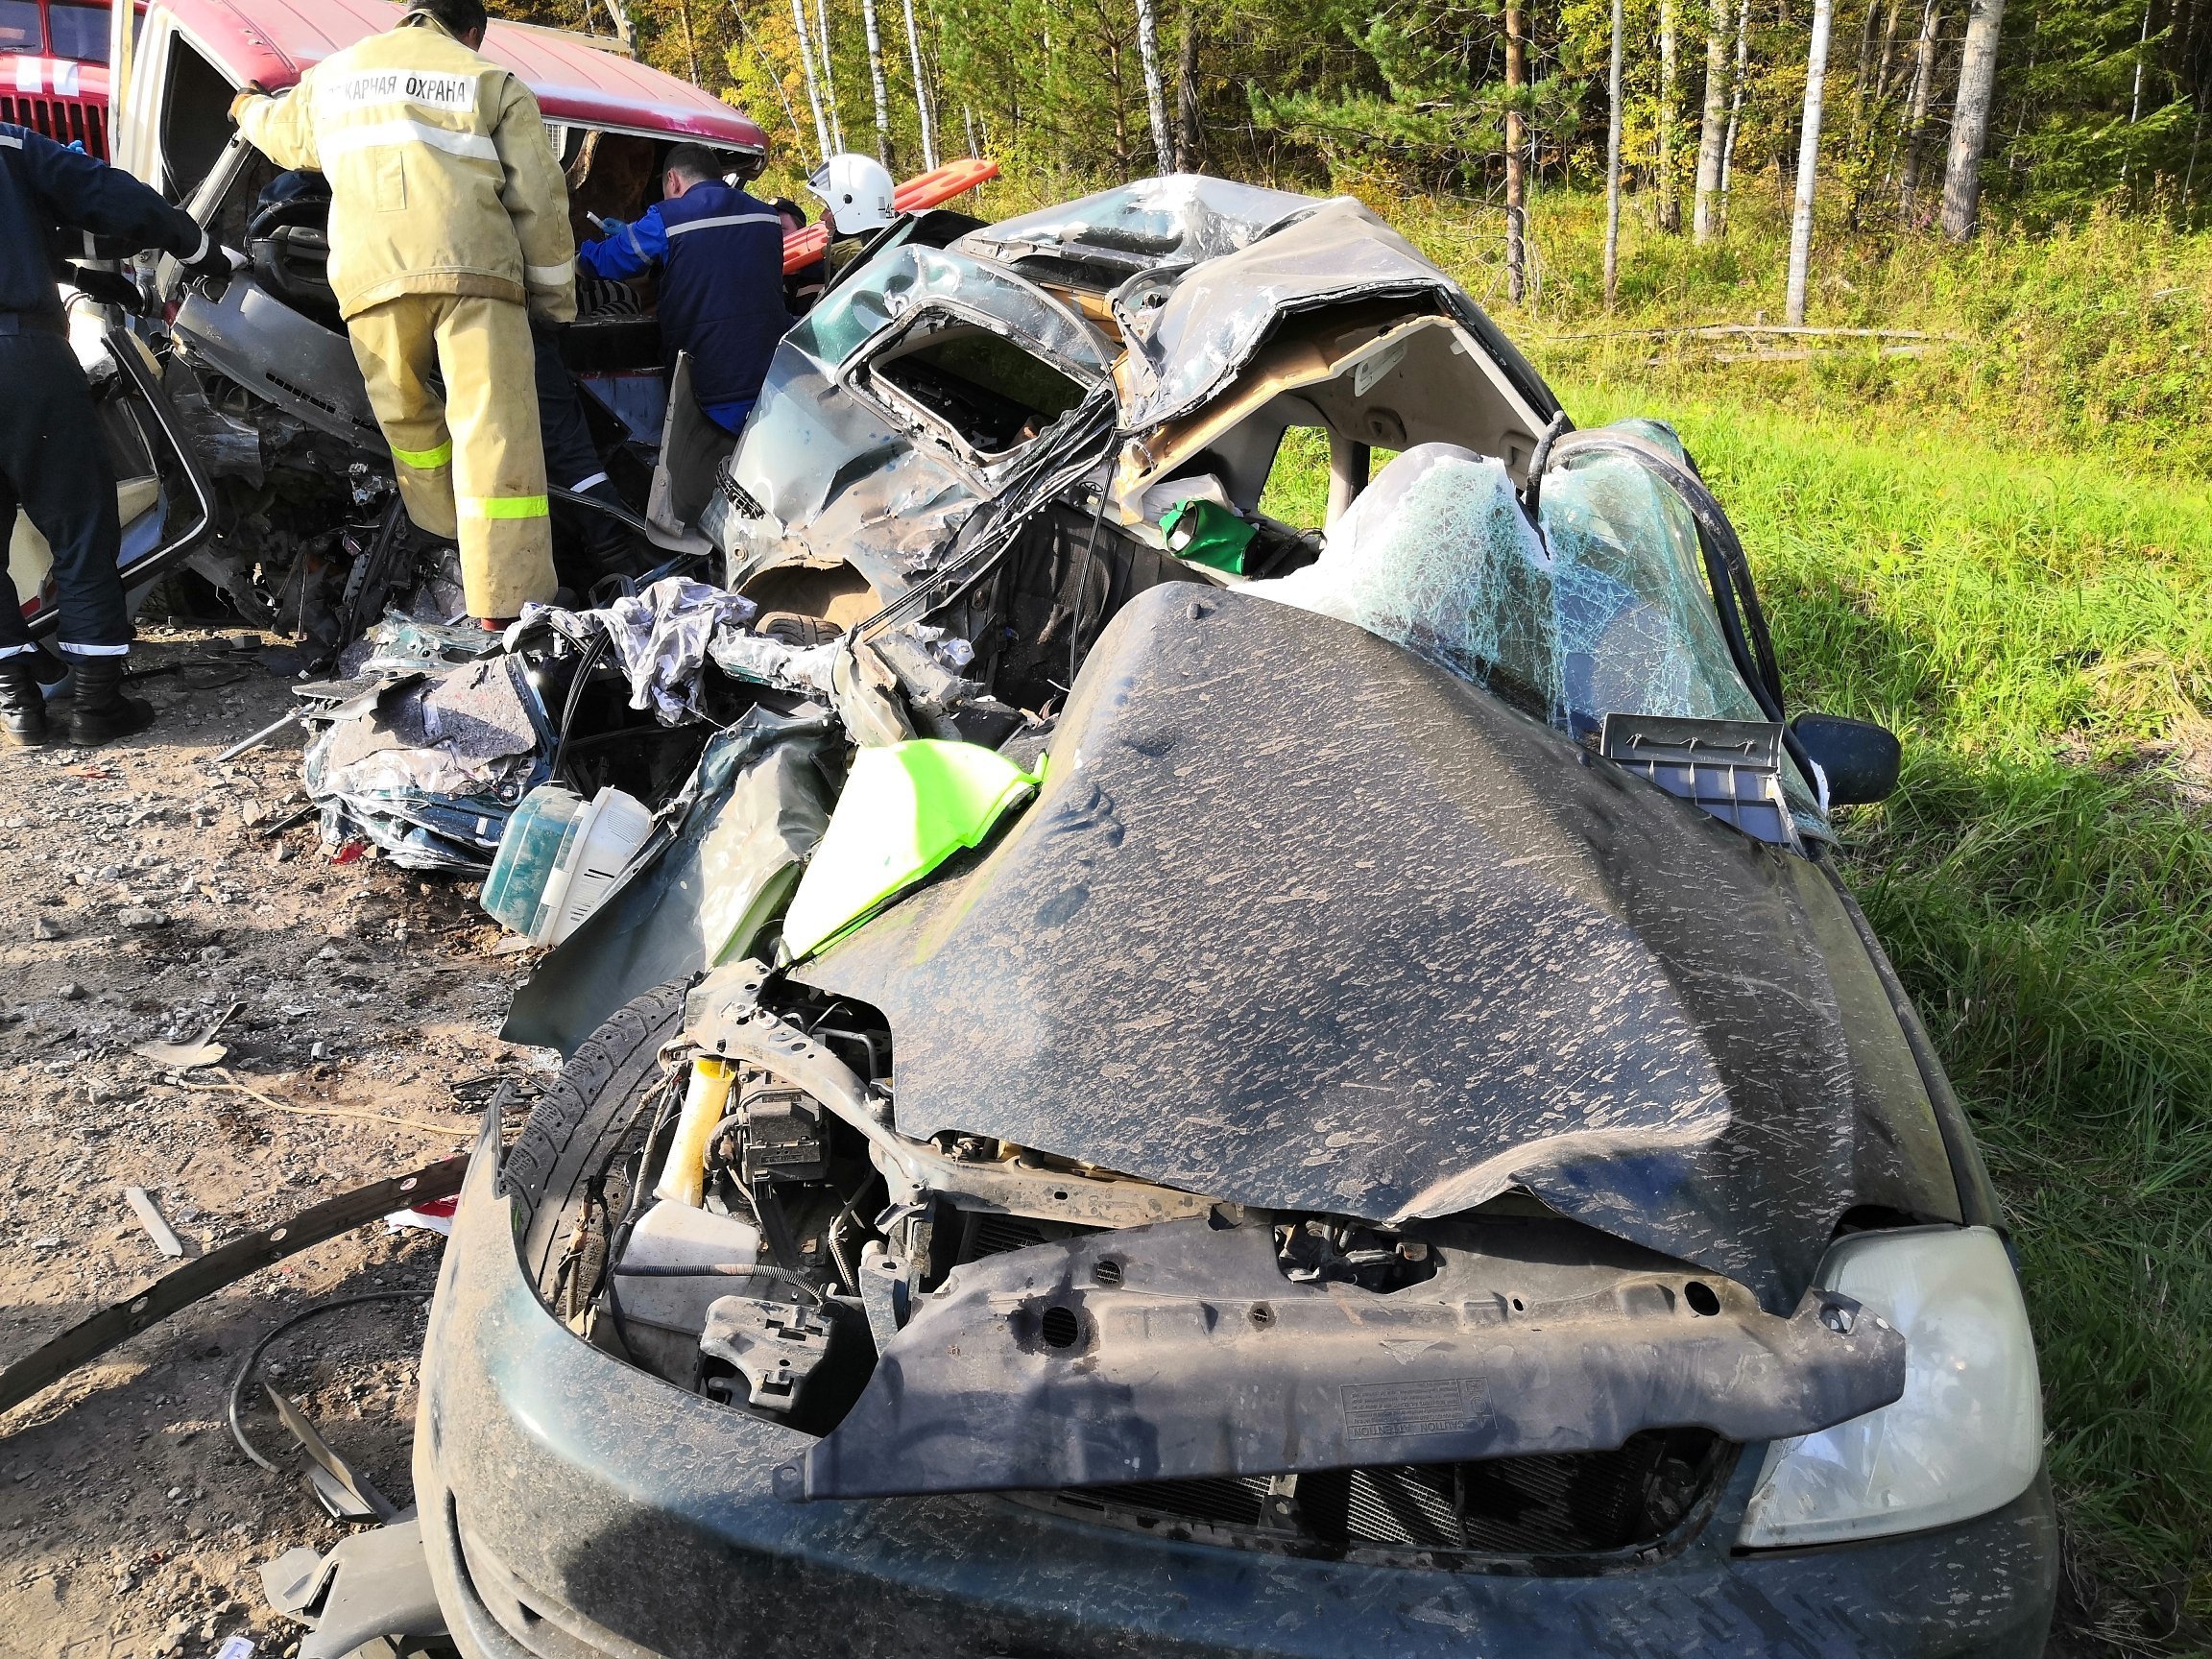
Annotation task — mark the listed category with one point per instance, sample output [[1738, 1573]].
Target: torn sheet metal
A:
[[430, 771], [1454, 953], [373, 1584], [1191, 1355], [735, 841], [1177, 219], [1188, 338]]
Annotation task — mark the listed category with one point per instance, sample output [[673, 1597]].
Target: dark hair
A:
[[790, 210], [459, 18], [697, 161]]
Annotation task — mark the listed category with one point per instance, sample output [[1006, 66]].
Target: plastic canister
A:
[[560, 856], [539, 833], [675, 1235], [607, 836]]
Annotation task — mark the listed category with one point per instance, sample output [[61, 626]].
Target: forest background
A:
[[1924, 285]]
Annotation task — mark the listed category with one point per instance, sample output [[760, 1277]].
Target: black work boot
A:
[[99, 712], [22, 703]]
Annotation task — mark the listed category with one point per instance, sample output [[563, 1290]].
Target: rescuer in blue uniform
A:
[[53, 459], [721, 298]]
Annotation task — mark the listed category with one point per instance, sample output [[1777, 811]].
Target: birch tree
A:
[[828, 75], [1808, 162], [1712, 129], [922, 109], [1516, 182], [877, 84], [1970, 119], [1155, 92], [1613, 160], [1916, 104], [1669, 200], [1734, 103], [806, 69]]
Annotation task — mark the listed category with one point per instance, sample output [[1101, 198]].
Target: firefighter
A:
[[721, 294], [53, 459], [449, 232]]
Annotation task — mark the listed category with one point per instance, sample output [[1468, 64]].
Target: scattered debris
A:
[[191, 1056], [157, 1225]]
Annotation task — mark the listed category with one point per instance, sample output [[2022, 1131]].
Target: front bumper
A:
[[573, 1507]]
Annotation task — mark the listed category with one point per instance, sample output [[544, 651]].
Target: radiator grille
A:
[[61, 119], [1557, 1505]]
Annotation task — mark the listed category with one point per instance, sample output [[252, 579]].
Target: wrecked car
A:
[[1198, 1074]]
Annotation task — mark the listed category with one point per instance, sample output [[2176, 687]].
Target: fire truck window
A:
[[194, 118], [19, 30], [79, 32]]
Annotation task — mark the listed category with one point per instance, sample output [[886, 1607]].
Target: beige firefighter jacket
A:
[[442, 178]]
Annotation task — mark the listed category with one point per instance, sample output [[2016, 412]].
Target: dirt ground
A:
[[144, 895]]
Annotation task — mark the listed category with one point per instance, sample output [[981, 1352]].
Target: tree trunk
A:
[[1734, 104], [1889, 51], [1670, 199], [1613, 160], [807, 68], [1865, 58], [1916, 115], [1155, 90], [1808, 163], [828, 74], [1190, 121], [1711, 130], [1516, 204], [1970, 120], [920, 92], [691, 42], [885, 152]]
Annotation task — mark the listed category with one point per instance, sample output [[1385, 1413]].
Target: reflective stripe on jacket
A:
[[721, 295], [442, 178]]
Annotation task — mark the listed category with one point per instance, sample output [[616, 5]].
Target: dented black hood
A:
[[1302, 923]]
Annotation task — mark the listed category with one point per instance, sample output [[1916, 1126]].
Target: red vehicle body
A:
[[54, 70]]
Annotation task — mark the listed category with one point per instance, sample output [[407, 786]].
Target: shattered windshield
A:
[[1607, 611]]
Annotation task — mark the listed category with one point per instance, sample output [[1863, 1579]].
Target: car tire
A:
[[578, 1125]]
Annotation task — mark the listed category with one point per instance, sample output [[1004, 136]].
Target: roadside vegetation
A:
[[2002, 547]]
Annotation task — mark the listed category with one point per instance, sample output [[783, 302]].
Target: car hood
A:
[[1302, 922]]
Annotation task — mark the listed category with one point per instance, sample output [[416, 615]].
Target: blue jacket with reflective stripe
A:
[[721, 283], [46, 188]]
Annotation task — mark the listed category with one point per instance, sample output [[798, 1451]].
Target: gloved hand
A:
[[253, 89], [211, 270]]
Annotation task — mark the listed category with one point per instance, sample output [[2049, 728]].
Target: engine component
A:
[[782, 1138], [775, 1346]]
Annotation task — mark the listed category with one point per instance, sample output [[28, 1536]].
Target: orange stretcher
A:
[[802, 248]]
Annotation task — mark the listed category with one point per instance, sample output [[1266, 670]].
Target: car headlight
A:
[[1965, 1438]]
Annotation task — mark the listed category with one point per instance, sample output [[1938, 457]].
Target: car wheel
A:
[[567, 1165]]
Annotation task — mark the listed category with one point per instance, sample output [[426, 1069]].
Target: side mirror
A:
[[1858, 759]]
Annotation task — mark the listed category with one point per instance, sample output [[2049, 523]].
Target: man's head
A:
[[462, 19], [793, 215], [690, 165]]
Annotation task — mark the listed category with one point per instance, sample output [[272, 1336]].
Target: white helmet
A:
[[856, 191]]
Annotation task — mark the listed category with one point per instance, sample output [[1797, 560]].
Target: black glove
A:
[[211, 269]]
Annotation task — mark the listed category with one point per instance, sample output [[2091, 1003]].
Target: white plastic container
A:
[[671, 1235], [608, 836], [561, 857]]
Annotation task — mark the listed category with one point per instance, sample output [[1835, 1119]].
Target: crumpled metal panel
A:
[[1179, 219], [1300, 922], [755, 805], [816, 450], [1177, 1351], [1188, 338]]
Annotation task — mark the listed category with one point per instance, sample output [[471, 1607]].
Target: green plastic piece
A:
[[905, 809], [1207, 532]]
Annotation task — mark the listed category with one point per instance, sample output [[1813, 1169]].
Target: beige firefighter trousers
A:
[[470, 465]]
